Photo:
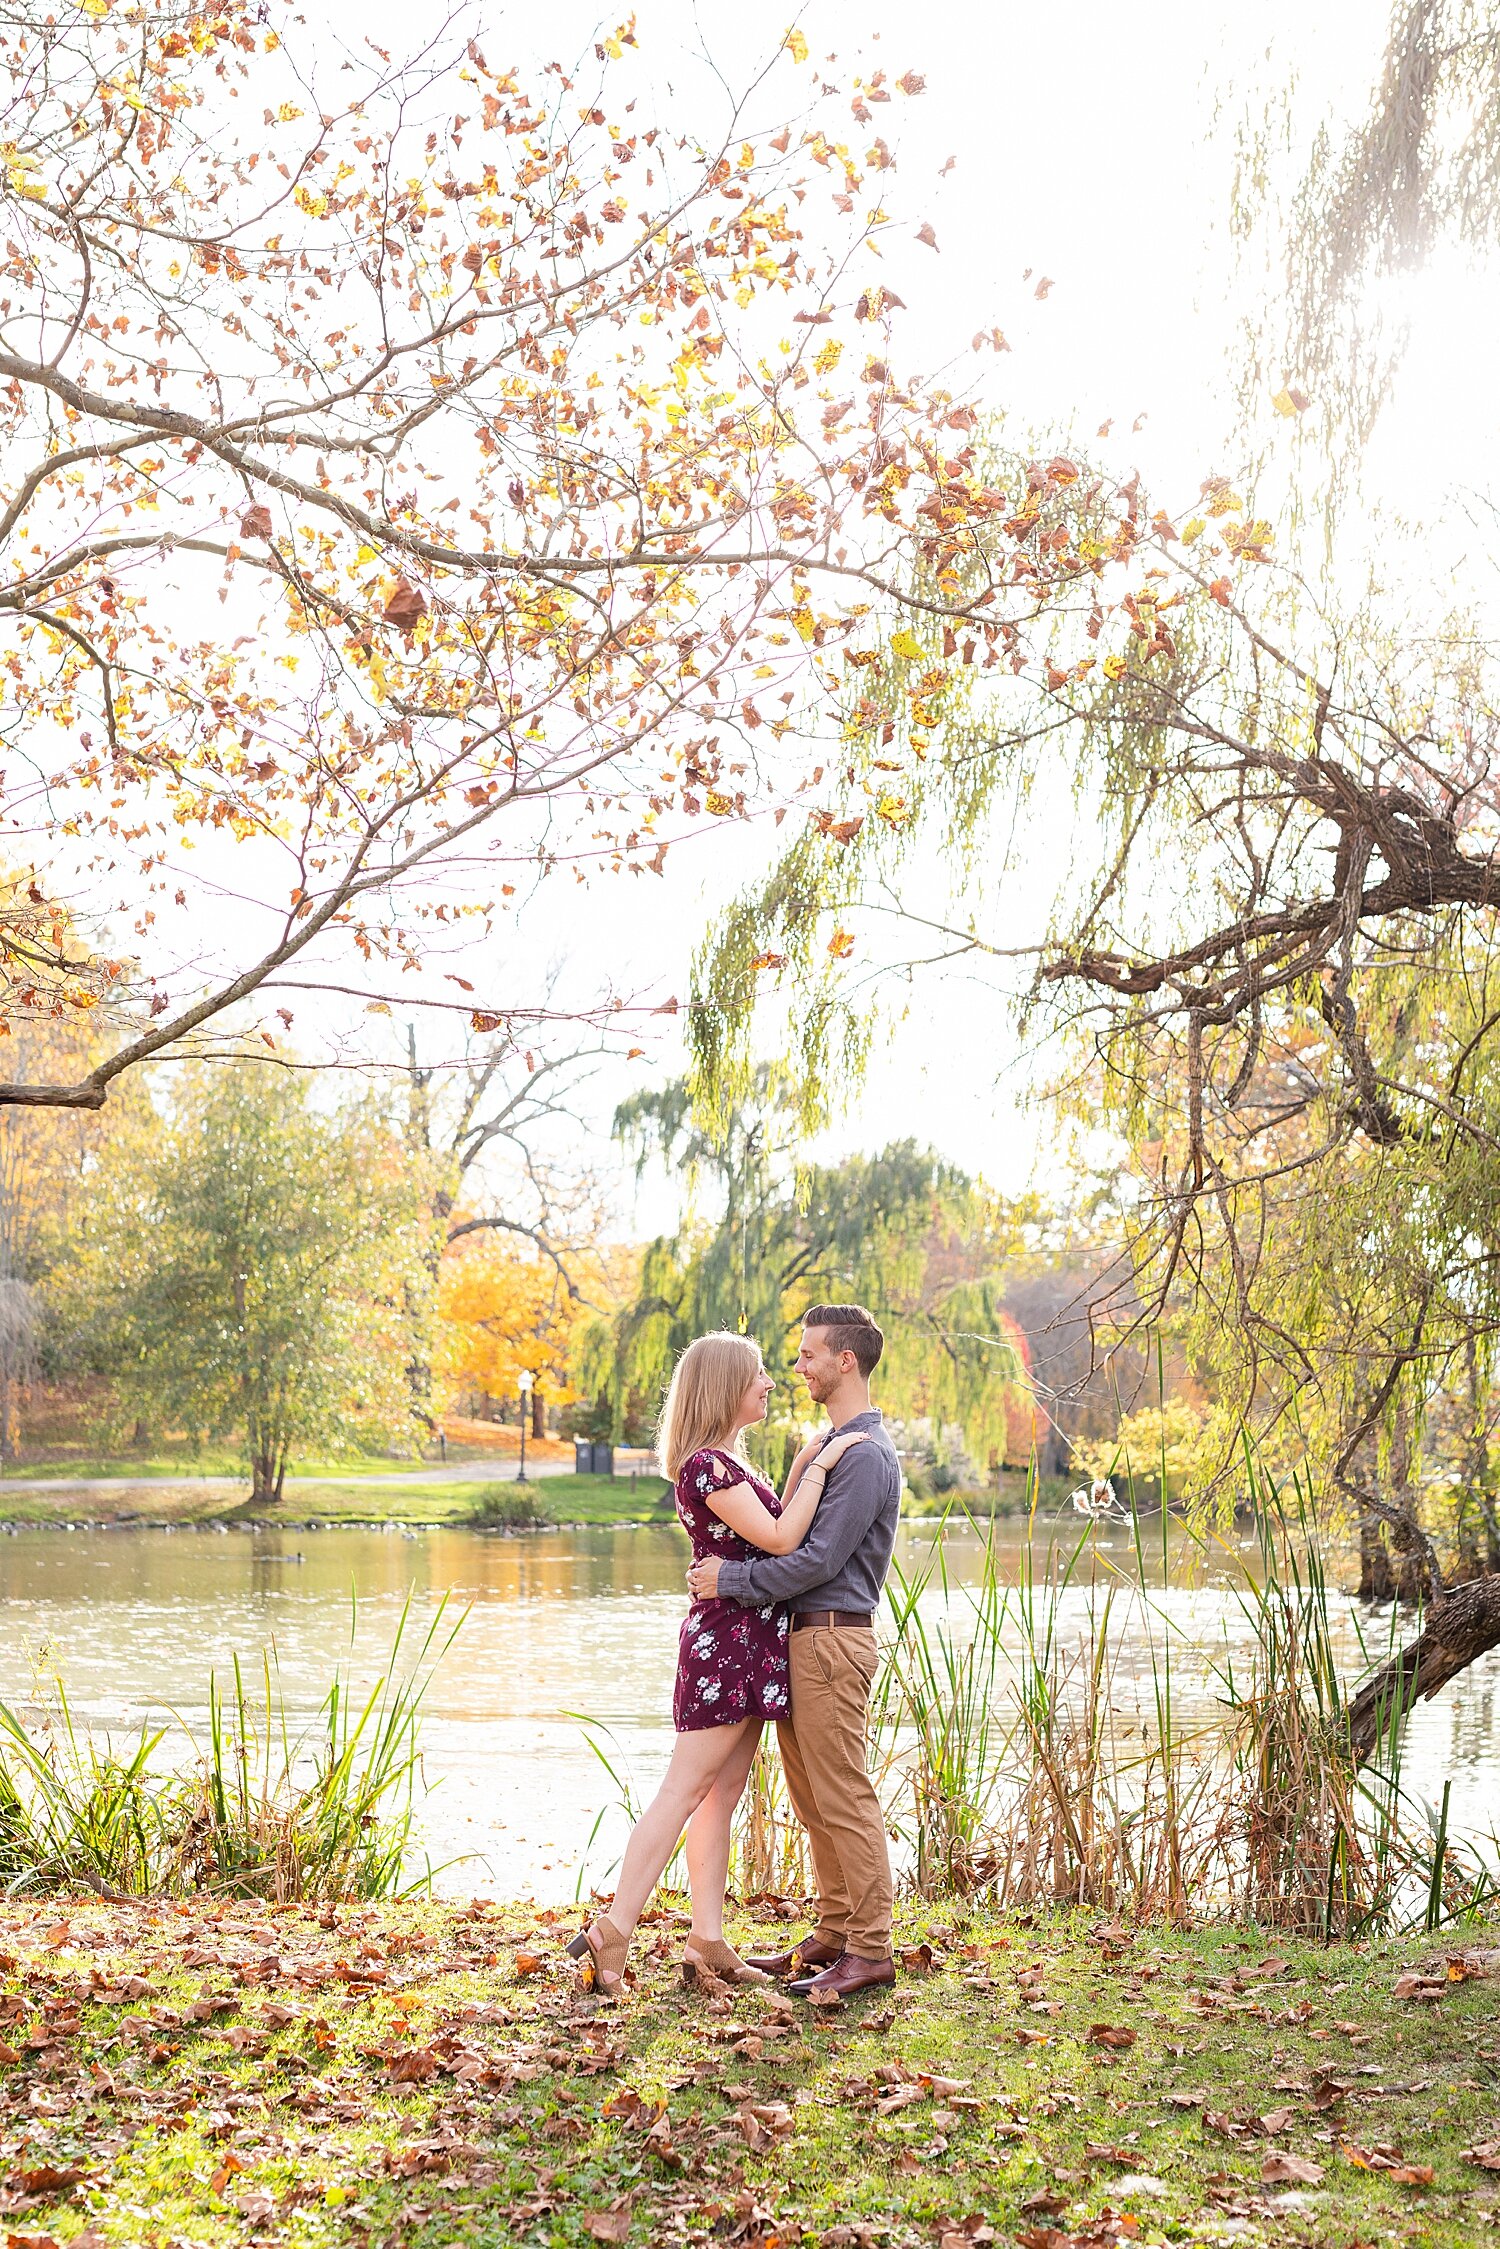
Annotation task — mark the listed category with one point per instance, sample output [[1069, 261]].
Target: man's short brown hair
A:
[[850, 1328]]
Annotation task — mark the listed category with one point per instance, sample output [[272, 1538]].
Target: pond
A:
[[562, 1624]]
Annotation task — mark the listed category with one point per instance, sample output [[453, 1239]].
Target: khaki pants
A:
[[823, 1756]]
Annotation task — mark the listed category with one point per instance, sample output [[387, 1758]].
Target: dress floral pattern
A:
[[731, 1662]]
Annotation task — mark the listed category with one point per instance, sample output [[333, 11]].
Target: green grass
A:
[[182, 1460], [432, 2075], [561, 1499]]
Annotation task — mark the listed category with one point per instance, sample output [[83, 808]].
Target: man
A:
[[832, 1585]]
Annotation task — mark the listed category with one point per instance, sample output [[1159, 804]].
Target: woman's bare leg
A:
[[708, 1837], [697, 1761]]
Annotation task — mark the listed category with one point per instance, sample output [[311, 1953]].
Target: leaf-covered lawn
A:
[[431, 2076]]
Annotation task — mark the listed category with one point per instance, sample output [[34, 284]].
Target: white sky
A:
[[1086, 150]]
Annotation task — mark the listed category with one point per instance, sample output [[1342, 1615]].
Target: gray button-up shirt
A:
[[842, 1562]]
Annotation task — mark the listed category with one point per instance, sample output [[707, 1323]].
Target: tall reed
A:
[[1018, 1757], [260, 1808]]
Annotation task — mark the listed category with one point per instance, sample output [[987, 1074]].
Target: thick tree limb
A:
[[1463, 1626]]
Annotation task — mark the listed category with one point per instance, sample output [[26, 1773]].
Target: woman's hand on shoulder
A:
[[840, 1446]]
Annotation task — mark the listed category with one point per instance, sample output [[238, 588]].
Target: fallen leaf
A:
[[1486, 2155], [606, 2225], [1413, 1985], [1279, 2169], [51, 2178], [1111, 2034]]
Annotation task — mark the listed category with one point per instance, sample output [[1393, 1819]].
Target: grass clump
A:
[[509, 1507], [260, 1809]]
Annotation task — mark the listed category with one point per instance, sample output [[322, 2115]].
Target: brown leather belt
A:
[[832, 1617]]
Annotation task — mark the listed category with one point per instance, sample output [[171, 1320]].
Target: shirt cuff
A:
[[731, 1585]]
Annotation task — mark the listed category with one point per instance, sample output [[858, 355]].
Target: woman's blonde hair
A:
[[707, 1384]]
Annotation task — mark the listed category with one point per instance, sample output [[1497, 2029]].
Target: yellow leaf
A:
[[721, 807], [1193, 530], [1114, 667], [841, 944], [907, 644], [796, 46], [829, 357]]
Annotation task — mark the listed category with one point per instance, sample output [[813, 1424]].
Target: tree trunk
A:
[[538, 1414], [1463, 1626], [267, 1472], [1377, 1580]]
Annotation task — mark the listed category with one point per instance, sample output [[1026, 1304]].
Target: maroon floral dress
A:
[[731, 1662]]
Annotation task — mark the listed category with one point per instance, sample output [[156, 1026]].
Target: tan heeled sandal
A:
[[606, 1952], [703, 1956]]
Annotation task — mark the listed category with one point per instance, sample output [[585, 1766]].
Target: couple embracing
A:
[[782, 1626]]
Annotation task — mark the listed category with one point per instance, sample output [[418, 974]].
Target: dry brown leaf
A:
[[1280, 2169], [607, 2225], [1111, 2034], [1044, 2202], [406, 606]]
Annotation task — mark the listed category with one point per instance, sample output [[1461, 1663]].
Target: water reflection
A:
[[563, 1623]]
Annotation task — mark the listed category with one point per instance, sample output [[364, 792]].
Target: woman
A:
[[732, 1662]]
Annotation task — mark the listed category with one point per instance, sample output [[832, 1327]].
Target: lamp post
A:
[[524, 1383]]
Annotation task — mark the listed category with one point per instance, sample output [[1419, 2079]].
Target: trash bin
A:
[[592, 1459]]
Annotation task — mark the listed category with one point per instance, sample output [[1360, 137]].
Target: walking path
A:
[[501, 1470]]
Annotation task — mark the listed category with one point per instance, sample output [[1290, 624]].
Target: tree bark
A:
[[1376, 1579], [1463, 1626], [538, 1413]]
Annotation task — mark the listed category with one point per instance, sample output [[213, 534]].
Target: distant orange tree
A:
[[504, 1310], [420, 477]]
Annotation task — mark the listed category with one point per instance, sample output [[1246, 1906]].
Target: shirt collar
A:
[[871, 1418]]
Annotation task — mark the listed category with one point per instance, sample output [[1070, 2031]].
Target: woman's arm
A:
[[795, 1473], [742, 1508]]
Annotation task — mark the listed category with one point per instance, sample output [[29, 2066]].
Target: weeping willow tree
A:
[[911, 1237], [1329, 214], [1270, 951]]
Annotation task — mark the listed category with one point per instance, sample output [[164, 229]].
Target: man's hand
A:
[[703, 1579]]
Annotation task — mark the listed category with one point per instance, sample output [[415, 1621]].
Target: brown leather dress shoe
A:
[[808, 1952], [848, 1975]]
